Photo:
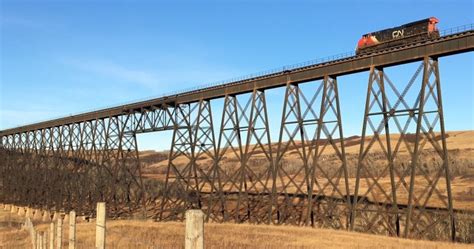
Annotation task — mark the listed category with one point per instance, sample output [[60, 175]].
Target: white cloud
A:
[[161, 81], [116, 71]]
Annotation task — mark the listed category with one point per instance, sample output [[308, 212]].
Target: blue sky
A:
[[64, 57]]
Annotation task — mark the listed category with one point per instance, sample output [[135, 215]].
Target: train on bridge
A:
[[398, 36]]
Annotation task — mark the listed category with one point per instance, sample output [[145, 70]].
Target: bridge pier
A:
[[388, 107], [320, 112]]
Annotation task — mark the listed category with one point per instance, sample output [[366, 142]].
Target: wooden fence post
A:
[[100, 226], [21, 211], [37, 215], [46, 216], [37, 240], [59, 234], [72, 230], [34, 238], [194, 238], [31, 230], [45, 240], [40, 240], [29, 213], [51, 235]]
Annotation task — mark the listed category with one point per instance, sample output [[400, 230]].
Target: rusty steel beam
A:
[[443, 46]]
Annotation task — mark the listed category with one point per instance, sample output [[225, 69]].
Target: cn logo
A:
[[398, 33]]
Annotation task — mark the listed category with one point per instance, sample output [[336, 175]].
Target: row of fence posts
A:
[[55, 231], [194, 233]]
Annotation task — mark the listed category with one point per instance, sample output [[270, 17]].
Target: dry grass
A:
[[461, 153], [143, 234], [457, 141], [10, 234], [140, 234]]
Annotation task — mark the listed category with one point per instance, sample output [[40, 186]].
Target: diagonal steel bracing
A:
[[239, 175], [396, 195], [74, 166], [311, 191]]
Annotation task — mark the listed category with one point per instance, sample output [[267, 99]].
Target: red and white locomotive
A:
[[397, 36]]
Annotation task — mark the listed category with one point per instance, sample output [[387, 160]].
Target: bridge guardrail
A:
[[458, 29]]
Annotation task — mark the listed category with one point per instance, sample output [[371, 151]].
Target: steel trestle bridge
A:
[[76, 161]]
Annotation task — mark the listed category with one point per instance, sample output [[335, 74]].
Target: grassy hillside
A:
[[461, 161], [143, 234]]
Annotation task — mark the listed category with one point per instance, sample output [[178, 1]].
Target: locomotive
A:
[[398, 36]]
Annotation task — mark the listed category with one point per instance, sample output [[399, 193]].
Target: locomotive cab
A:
[[367, 40], [432, 24]]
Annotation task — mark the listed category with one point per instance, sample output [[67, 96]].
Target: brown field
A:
[[461, 161], [144, 234]]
